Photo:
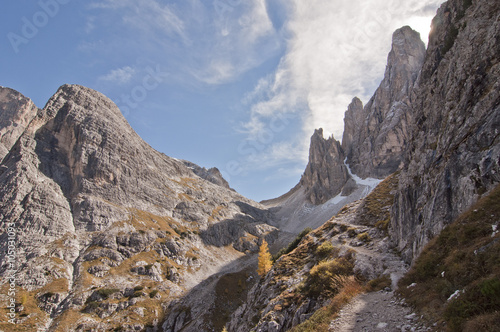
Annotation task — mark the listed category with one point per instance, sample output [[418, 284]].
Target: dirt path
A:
[[379, 311]]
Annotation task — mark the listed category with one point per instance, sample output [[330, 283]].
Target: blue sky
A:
[[240, 85]]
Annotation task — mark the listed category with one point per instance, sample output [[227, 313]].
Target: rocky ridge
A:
[[372, 145], [453, 157], [448, 116], [376, 136], [17, 113], [326, 174], [283, 299], [107, 226]]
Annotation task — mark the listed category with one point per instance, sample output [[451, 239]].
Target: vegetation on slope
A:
[[292, 245], [456, 279], [375, 210]]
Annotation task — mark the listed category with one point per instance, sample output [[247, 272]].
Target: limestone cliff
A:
[[325, 174], [373, 144], [375, 136], [17, 113], [448, 113], [105, 225], [453, 157]]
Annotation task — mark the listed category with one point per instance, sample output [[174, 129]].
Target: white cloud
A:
[[242, 39], [149, 16], [119, 76], [336, 50]]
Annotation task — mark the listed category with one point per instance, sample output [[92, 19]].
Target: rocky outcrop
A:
[[326, 174], [17, 113], [95, 207], [454, 155], [212, 174], [375, 136], [373, 144]]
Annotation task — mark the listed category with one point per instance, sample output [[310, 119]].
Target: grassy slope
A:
[[465, 257]]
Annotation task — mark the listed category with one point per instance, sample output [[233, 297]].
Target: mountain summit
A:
[[376, 136], [100, 232], [98, 212]]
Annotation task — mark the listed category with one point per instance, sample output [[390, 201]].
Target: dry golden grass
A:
[[465, 257], [375, 207], [31, 315], [320, 320], [144, 221], [67, 321], [217, 214]]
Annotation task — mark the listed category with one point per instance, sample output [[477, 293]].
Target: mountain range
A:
[[101, 232]]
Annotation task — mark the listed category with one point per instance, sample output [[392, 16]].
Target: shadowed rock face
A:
[[375, 136], [326, 174], [454, 155]]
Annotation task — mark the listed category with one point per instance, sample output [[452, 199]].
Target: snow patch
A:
[[371, 183]]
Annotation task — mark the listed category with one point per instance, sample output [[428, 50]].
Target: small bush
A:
[[153, 293], [138, 288], [294, 244], [326, 249], [383, 224], [107, 292], [379, 283], [326, 277], [137, 294], [351, 232], [364, 237]]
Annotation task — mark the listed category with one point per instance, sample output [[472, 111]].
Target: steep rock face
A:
[[95, 207], [375, 137], [454, 154], [354, 120], [325, 174], [212, 174], [17, 113]]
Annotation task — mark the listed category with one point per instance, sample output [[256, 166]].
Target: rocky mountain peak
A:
[[454, 155], [94, 205], [374, 138], [354, 119], [326, 173], [17, 113]]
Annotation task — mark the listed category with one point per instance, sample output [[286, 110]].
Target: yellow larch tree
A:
[[265, 261]]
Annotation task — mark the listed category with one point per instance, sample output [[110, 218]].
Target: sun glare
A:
[[422, 25]]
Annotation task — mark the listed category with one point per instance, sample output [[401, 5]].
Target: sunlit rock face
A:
[[454, 154], [376, 136]]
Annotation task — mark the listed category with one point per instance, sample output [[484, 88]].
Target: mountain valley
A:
[[100, 232]]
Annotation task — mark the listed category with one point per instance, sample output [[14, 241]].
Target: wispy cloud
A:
[[146, 15], [243, 38], [201, 41], [336, 50], [119, 76]]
